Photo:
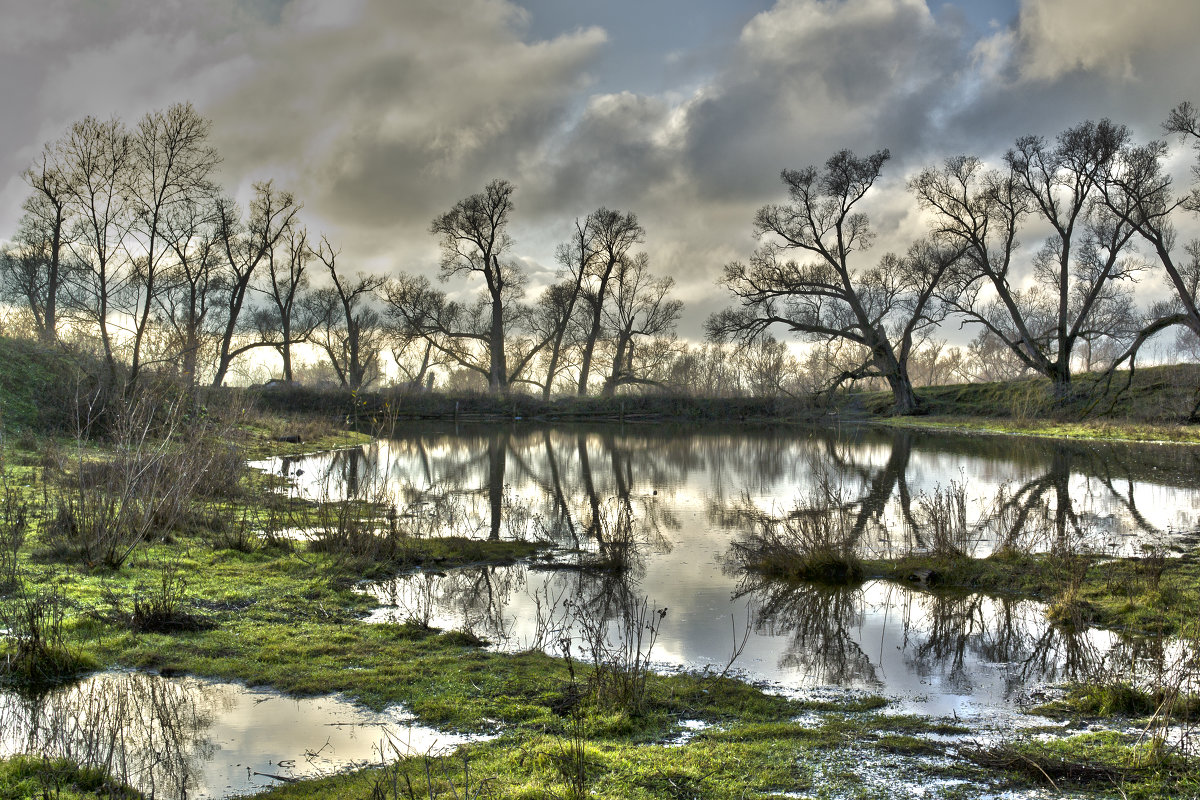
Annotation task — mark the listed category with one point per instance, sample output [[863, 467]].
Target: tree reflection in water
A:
[[180, 737], [142, 730], [651, 511]]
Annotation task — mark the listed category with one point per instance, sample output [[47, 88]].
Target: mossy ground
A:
[[1106, 763], [1098, 430], [23, 777], [1155, 404], [288, 617]]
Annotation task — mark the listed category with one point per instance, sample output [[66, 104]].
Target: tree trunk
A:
[[1061, 375], [585, 366], [286, 350], [904, 399], [49, 332]]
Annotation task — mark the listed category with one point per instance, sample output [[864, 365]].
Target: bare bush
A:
[[942, 528], [439, 776], [619, 649], [815, 541], [159, 462]]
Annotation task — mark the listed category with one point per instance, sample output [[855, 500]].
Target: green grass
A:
[[1106, 762], [24, 777], [1137, 595], [1090, 700], [1154, 407]]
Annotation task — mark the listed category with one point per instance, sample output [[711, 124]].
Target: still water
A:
[[183, 737], [652, 515]]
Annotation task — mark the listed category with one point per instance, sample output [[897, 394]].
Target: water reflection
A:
[[191, 738], [568, 482], [652, 513], [939, 653]]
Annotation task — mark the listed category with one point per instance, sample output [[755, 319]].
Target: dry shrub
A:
[[942, 527], [159, 462], [813, 542]]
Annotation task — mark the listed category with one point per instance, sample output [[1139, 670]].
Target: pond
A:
[[652, 514]]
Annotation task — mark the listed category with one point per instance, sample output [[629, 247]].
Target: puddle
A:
[[183, 737]]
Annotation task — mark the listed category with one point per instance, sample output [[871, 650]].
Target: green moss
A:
[[28, 776], [1120, 699]]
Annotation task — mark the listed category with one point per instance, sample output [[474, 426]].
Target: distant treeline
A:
[[128, 251]]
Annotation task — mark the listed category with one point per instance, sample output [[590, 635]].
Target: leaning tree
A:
[[805, 277]]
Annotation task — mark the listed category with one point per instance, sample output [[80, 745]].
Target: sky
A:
[[380, 114]]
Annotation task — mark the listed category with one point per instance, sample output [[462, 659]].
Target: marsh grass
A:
[[32, 776], [1105, 760], [35, 650], [15, 517], [445, 776], [158, 463], [942, 528], [813, 542], [157, 605]]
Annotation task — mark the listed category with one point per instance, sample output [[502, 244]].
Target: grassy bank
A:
[[1154, 405]]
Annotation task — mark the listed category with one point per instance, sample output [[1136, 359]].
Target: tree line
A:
[[129, 247], [1093, 193]]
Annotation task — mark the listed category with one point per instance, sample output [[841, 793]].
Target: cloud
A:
[[383, 117], [380, 114], [1110, 37]]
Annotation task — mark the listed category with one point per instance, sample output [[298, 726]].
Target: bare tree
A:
[[1136, 188], [473, 238], [348, 329], [641, 308], [557, 305], [460, 333], [34, 266], [765, 367], [190, 283], [97, 157], [416, 358], [553, 318], [1081, 273], [990, 359], [244, 247], [608, 237], [828, 298], [280, 321], [170, 165]]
